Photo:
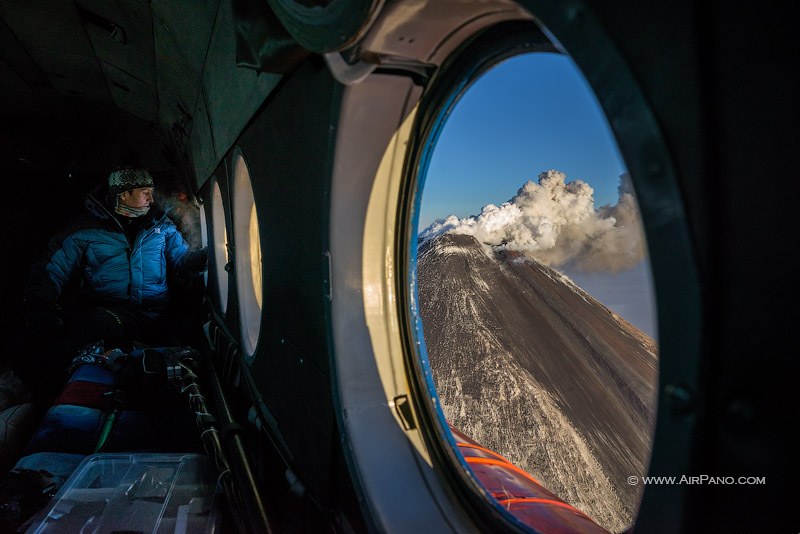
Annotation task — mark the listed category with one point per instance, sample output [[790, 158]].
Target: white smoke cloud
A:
[[185, 214], [556, 223]]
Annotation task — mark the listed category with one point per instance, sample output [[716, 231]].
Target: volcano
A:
[[533, 367]]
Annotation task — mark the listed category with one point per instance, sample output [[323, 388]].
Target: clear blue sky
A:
[[531, 113]]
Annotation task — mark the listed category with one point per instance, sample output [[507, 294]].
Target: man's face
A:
[[137, 198]]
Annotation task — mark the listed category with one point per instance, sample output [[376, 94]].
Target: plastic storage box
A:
[[135, 492]]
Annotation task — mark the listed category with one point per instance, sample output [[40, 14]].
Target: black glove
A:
[[196, 262]]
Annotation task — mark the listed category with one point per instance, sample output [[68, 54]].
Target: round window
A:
[[220, 246], [248, 257], [533, 285]]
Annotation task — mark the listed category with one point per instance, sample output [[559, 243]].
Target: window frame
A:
[[250, 319]]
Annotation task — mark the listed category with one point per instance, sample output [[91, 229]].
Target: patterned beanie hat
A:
[[124, 179]]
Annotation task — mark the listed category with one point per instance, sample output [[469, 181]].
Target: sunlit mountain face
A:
[[533, 367]]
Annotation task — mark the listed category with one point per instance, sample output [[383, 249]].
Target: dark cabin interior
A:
[[184, 88]]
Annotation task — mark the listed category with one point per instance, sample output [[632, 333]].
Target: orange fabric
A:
[[506, 464], [484, 449], [538, 500]]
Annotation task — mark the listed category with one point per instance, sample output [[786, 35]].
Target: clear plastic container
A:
[[135, 492]]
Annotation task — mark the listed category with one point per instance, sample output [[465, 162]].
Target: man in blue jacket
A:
[[119, 254]]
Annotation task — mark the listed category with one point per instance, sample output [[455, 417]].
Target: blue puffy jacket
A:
[[95, 252]]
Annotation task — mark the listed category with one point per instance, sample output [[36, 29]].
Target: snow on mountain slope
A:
[[529, 365]]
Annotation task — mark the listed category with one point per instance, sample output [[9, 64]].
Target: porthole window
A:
[[220, 246], [248, 257], [532, 290]]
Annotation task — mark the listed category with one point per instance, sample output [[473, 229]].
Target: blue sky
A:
[[527, 115], [531, 113]]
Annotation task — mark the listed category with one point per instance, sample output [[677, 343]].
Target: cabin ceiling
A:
[[97, 77], [87, 85]]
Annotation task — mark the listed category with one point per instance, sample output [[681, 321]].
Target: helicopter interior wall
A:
[[287, 148], [229, 97]]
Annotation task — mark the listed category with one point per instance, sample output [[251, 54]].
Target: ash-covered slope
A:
[[531, 366]]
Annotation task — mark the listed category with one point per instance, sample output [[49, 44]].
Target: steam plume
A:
[[556, 223], [185, 214]]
